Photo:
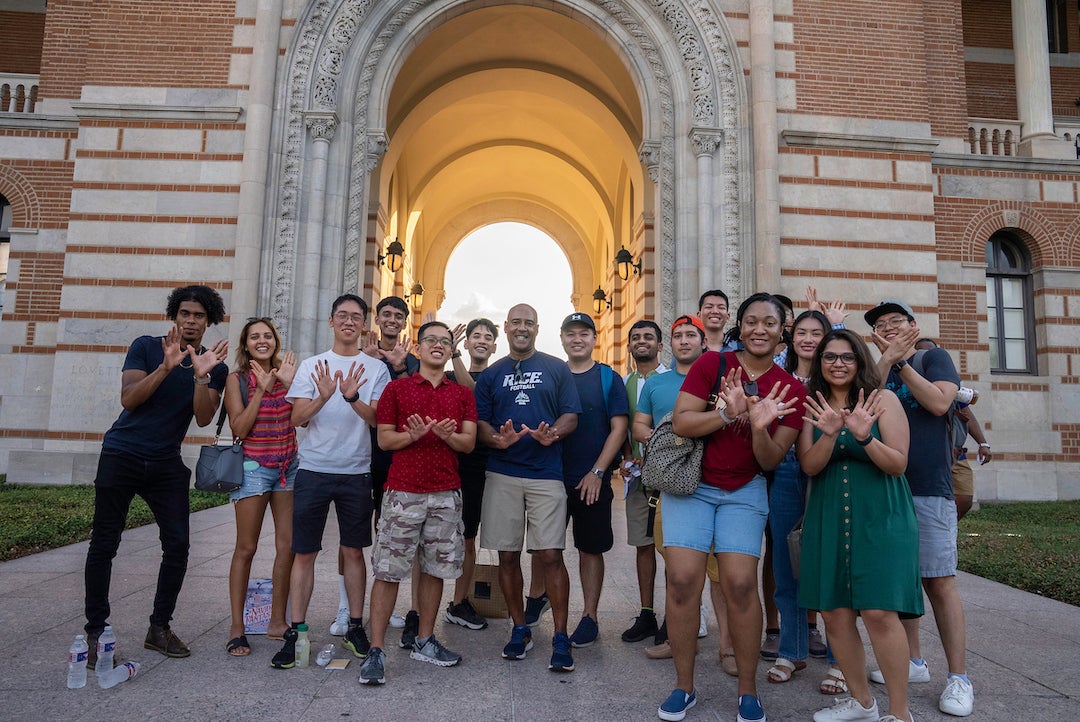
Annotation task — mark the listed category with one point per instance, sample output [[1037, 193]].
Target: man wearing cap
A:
[[526, 404], [926, 384], [645, 342]]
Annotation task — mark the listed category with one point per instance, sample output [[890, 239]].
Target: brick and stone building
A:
[[276, 149]]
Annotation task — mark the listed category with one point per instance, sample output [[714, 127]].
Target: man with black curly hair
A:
[[166, 381]]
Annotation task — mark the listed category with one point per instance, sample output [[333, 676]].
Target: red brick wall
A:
[[21, 35], [861, 59], [987, 23], [991, 91], [175, 43], [947, 94]]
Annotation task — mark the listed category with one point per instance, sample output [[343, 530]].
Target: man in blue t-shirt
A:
[[926, 383], [166, 381], [587, 458], [526, 404]]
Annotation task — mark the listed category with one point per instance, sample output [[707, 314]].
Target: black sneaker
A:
[[286, 658], [661, 634], [465, 615], [534, 607], [410, 630], [644, 627], [356, 641]]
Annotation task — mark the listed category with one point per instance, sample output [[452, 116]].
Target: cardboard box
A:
[[486, 595]]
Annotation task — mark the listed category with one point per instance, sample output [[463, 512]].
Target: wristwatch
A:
[[351, 399], [722, 410], [599, 473], [899, 365]]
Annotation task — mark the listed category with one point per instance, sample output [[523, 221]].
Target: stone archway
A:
[[340, 124]]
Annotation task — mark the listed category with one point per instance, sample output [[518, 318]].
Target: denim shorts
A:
[[937, 536], [260, 479], [718, 520]]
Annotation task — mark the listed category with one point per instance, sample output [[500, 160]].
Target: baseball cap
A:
[[689, 319], [583, 318], [887, 306]]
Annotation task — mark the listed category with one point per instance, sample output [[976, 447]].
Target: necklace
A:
[[190, 363]]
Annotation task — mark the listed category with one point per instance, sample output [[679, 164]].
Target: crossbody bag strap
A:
[[714, 395]]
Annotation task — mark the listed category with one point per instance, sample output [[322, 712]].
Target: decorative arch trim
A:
[[1038, 233], [25, 205]]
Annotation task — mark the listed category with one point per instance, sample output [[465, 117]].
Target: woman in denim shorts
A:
[[260, 414], [754, 423]]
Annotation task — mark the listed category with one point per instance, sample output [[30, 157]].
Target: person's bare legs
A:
[[949, 615], [847, 647], [768, 587], [891, 651], [429, 592], [591, 570], [355, 579], [461, 586], [281, 507], [512, 585], [685, 571], [739, 579], [301, 582], [249, 517], [646, 574], [557, 583], [537, 588], [963, 505], [716, 591], [383, 599]]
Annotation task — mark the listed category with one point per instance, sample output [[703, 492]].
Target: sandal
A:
[[727, 662], [782, 670], [834, 682], [238, 647]]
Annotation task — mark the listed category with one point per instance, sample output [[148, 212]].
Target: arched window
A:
[[1009, 305], [5, 245]]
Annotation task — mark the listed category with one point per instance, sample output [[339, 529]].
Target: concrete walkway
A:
[[1022, 653]]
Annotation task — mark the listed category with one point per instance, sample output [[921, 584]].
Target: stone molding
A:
[[133, 111], [33, 121], [1006, 163], [848, 141], [321, 124]]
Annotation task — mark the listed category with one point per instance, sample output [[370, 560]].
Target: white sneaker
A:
[[915, 673], [341, 623], [848, 710], [703, 625], [396, 620], [891, 718], [958, 699]]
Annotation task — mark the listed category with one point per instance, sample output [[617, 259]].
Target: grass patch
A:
[[37, 518], [1034, 546]]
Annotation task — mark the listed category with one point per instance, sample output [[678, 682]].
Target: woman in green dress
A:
[[860, 537]]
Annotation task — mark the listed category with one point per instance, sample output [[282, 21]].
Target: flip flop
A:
[[238, 647]]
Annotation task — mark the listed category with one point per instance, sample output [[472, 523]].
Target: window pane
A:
[[1015, 355], [995, 356], [1014, 323], [991, 292], [991, 323], [1012, 292]]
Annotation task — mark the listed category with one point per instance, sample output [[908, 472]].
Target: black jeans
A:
[[163, 484]]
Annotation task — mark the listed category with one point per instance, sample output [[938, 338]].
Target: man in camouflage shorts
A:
[[426, 420]]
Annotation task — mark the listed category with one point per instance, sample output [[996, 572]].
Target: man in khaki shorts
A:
[[426, 420], [526, 403]]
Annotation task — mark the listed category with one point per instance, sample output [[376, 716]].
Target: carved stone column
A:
[[705, 141], [310, 335], [766, 154], [1031, 61]]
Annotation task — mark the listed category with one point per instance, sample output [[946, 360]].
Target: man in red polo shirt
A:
[[426, 420]]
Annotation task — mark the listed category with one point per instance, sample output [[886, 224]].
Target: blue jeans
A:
[[787, 502]]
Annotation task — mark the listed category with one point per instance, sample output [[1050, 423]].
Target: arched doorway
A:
[[427, 120]]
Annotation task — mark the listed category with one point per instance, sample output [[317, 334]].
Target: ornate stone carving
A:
[[649, 155], [321, 124], [705, 141]]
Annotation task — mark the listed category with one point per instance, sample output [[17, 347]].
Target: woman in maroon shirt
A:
[[758, 417]]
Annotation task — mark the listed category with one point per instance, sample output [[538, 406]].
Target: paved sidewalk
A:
[[1022, 653]]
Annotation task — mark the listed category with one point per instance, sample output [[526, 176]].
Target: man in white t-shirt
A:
[[335, 394]]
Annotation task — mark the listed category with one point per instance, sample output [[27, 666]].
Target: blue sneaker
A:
[[750, 709], [586, 633], [534, 607], [561, 661], [520, 642], [675, 706]]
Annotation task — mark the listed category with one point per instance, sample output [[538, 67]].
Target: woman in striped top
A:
[[260, 414]]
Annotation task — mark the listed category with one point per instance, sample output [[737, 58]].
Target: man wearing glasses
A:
[[927, 383], [426, 420], [335, 394], [526, 403]]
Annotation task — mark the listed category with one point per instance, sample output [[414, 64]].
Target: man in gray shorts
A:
[[926, 384], [645, 342]]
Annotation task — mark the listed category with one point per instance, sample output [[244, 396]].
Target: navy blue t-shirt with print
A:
[[930, 455], [535, 390], [580, 449], [156, 428]]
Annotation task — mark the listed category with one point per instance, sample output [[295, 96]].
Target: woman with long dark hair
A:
[[756, 422], [260, 414], [860, 536]]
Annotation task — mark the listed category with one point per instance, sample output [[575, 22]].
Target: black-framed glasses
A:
[[259, 319], [750, 388], [847, 358]]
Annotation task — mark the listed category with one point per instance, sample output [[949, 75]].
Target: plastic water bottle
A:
[[303, 646], [966, 396], [77, 663], [115, 676], [325, 655], [106, 646]]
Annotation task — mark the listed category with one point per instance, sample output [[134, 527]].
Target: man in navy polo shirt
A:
[[526, 403], [426, 420], [166, 381]]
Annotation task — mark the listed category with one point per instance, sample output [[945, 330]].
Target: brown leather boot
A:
[[162, 639]]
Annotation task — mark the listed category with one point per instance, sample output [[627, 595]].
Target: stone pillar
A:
[[766, 156], [705, 141], [252, 199], [311, 331], [1031, 62]]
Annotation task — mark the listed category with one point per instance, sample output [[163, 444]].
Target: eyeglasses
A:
[[259, 319], [441, 340], [847, 358], [343, 316], [884, 323]]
